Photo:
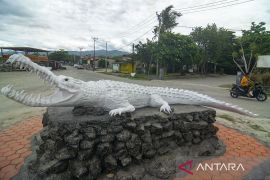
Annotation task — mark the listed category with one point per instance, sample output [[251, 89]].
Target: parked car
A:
[[78, 66]]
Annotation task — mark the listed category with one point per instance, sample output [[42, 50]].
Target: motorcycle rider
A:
[[247, 84]]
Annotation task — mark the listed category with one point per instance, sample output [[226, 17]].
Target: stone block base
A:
[[86, 143]]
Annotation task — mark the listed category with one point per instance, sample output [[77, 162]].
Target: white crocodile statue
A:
[[118, 97]]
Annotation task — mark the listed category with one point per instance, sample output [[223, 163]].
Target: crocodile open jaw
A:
[[60, 96]]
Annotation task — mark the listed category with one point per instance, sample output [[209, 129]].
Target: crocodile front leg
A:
[[156, 100]]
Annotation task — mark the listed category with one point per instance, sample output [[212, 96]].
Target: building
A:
[[32, 53], [263, 61], [39, 56], [124, 65]]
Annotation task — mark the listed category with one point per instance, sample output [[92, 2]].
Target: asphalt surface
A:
[[11, 111], [206, 85]]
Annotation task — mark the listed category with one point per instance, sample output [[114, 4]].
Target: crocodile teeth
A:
[[21, 66], [22, 96]]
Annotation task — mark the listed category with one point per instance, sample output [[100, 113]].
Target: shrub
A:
[[263, 78], [266, 79], [1, 59]]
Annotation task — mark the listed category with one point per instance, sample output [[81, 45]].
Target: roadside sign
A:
[[263, 61]]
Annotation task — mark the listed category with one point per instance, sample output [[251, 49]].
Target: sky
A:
[[70, 24]]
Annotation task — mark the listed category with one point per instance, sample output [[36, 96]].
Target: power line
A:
[[138, 37], [131, 42], [206, 5], [145, 20], [144, 25], [139, 28], [198, 8], [150, 19], [189, 10], [217, 7], [221, 2], [192, 27]]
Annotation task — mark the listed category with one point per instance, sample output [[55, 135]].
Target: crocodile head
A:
[[67, 91]]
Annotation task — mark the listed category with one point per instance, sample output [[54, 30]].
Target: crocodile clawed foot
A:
[[165, 108], [114, 112]]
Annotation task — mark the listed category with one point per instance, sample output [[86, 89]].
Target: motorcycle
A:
[[258, 92]]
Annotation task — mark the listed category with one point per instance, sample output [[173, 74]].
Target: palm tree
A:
[[167, 21]]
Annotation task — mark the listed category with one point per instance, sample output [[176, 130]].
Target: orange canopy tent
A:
[[27, 50]]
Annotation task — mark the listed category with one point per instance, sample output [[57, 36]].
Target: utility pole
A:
[[133, 64], [94, 59], [80, 61], [159, 27], [106, 63]]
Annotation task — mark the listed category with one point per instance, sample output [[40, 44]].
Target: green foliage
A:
[[257, 39], [1, 59], [36, 53], [173, 51], [216, 46], [102, 63], [253, 42], [263, 78], [60, 55], [167, 20], [63, 55], [211, 48], [176, 50]]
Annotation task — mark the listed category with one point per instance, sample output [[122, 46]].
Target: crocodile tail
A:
[[229, 107], [190, 97]]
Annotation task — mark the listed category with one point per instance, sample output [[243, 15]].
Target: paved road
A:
[[12, 112], [208, 85]]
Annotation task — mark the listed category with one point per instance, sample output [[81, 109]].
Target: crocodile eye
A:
[[66, 79]]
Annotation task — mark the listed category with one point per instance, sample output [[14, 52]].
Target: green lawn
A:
[[137, 76], [227, 86]]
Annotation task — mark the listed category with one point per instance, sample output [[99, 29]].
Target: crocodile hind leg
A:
[[118, 103], [128, 108], [156, 100]]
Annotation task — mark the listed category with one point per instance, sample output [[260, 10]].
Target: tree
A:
[[254, 42], [173, 52], [177, 50], [167, 20], [102, 63], [146, 52], [215, 45], [60, 55], [257, 39]]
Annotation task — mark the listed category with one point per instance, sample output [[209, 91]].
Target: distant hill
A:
[[99, 53], [102, 52]]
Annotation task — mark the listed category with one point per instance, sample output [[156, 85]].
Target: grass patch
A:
[[227, 86], [227, 117], [137, 76], [256, 127]]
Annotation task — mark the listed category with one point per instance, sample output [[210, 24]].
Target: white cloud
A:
[[70, 24]]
